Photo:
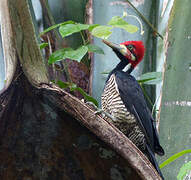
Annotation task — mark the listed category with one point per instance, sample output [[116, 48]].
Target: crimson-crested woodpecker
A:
[[124, 100]]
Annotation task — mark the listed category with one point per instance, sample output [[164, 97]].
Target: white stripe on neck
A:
[[126, 68]]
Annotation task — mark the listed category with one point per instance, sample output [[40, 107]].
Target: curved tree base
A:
[[41, 138]]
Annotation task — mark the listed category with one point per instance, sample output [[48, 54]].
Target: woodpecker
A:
[[123, 98]]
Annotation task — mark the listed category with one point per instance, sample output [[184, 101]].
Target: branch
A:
[[101, 128]]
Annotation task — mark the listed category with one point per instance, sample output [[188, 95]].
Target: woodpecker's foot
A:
[[101, 111], [92, 105], [105, 114]]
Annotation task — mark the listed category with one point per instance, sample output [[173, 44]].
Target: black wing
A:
[[133, 98]]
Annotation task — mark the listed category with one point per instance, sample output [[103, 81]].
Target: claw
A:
[[101, 111]]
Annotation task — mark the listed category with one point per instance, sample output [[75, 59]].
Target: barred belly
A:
[[123, 119]]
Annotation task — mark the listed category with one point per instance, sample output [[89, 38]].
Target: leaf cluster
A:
[[70, 27]]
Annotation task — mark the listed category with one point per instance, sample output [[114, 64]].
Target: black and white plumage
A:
[[124, 100], [124, 119]]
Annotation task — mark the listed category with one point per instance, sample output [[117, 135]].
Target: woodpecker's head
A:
[[130, 51]]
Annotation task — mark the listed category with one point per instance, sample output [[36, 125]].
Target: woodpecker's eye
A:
[[130, 47]]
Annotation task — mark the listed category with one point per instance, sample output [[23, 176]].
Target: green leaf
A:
[[119, 22], [58, 55], [92, 26], [55, 26], [129, 28], [185, 171], [145, 80], [116, 20], [43, 45], [105, 72], [69, 53], [86, 96], [174, 157], [68, 29], [95, 49], [73, 87], [150, 78], [63, 85], [77, 54], [102, 32]]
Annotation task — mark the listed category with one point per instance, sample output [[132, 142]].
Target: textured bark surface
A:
[[8, 48], [39, 140], [26, 42], [175, 105]]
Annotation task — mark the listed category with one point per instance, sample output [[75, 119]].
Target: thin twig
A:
[[83, 39], [144, 19], [53, 65]]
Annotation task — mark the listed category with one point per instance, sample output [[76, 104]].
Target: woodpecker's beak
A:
[[121, 49]]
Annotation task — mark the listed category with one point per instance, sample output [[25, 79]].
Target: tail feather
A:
[[152, 159], [159, 150]]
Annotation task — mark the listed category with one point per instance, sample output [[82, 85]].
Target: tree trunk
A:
[[175, 105]]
